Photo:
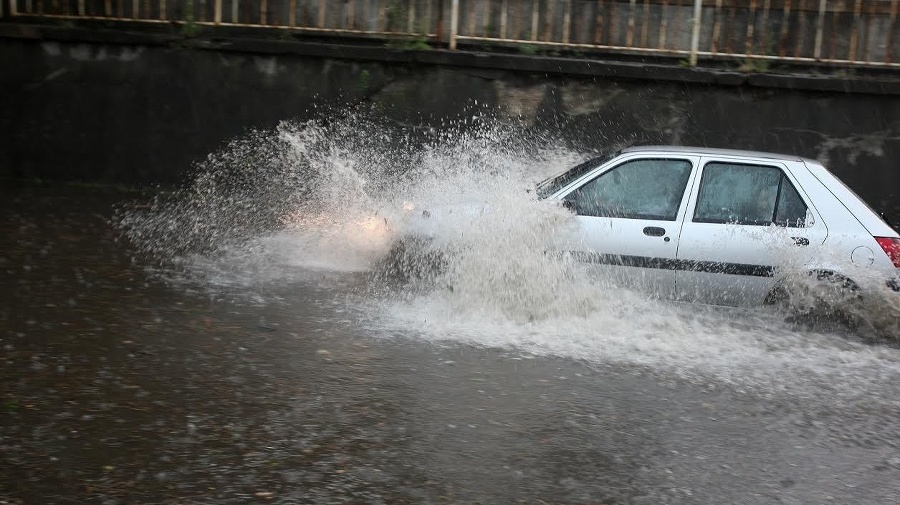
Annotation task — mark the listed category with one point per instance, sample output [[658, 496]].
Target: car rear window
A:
[[750, 195]]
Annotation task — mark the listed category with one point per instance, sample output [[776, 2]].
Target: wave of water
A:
[[336, 196]]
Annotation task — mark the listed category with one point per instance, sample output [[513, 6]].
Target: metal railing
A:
[[372, 17], [848, 32]]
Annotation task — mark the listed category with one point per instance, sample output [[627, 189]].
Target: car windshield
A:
[[553, 184]]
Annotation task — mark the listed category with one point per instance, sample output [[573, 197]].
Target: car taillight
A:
[[891, 246]]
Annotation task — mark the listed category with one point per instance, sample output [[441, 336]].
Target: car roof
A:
[[715, 151]]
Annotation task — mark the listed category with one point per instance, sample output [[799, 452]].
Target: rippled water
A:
[[260, 334]]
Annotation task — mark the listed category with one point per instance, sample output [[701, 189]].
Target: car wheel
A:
[[818, 299]]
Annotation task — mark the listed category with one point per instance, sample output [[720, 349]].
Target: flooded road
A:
[[282, 370], [118, 388]]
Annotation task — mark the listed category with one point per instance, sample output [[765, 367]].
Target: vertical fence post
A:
[[663, 25], [695, 32], [785, 24], [351, 14], [820, 30], [854, 32], [439, 29], [717, 25], [598, 23], [764, 32], [645, 24], [567, 22], [217, 14], [454, 23], [751, 25], [503, 18], [889, 50], [629, 27], [548, 21]]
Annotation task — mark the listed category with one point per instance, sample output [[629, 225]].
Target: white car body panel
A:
[[624, 238], [718, 262], [735, 264], [593, 237]]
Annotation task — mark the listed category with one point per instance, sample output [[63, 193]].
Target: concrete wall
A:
[[142, 111]]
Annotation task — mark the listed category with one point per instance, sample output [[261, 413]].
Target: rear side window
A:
[[748, 194], [639, 189]]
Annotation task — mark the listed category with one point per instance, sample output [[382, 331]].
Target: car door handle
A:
[[654, 231], [801, 241]]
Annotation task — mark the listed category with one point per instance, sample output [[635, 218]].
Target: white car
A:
[[707, 225], [721, 226]]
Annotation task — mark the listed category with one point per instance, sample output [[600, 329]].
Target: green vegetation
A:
[[759, 65], [189, 27], [418, 43], [364, 79], [535, 50], [528, 49], [394, 15], [754, 66]]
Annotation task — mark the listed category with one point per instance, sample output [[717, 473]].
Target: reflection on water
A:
[[243, 342]]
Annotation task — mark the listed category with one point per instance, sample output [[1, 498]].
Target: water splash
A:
[[345, 194]]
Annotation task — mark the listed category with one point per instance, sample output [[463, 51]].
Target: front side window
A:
[[750, 195], [639, 189]]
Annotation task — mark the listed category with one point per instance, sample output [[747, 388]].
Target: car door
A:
[[745, 222], [628, 220]]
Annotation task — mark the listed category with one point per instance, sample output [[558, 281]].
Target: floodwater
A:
[[244, 340]]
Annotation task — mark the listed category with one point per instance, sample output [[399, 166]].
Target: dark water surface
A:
[[118, 388]]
